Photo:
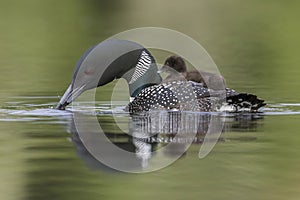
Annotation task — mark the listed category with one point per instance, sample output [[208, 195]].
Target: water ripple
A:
[[26, 109]]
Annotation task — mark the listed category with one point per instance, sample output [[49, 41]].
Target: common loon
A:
[[113, 59]]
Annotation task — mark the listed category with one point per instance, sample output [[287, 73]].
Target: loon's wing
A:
[[245, 102]]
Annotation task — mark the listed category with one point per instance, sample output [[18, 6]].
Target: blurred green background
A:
[[254, 43]]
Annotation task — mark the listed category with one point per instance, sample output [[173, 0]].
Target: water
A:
[[255, 45], [42, 155]]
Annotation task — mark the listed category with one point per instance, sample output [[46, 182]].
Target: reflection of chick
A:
[[177, 70]]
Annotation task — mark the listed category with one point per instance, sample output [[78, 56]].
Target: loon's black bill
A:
[[61, 106], [69, 95]]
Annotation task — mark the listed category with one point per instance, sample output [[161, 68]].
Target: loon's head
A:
[[109, 60]]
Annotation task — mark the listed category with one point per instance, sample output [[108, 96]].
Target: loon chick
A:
[[183, 91], [206, 78]]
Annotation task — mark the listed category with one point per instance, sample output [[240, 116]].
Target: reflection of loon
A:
[[155, 134], [113, 59]]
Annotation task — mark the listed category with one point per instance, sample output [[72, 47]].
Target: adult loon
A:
[[113, 59]]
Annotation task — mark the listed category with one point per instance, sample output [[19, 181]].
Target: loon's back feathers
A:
[[245, 102], [239, 101], [179, 95], [180, 91], [192, 96]]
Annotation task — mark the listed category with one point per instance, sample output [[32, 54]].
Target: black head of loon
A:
[[177, 63], [109, 60]]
